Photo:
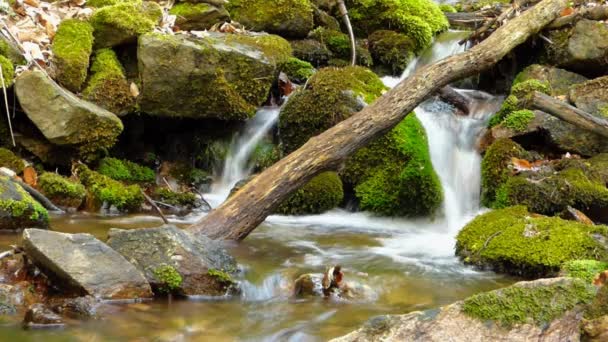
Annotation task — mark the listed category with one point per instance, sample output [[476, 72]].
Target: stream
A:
[[407, 265]]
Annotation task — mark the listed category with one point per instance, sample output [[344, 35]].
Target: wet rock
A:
[[199, 16], [222, 76], [39, 316], [81, 262], [516, 320], [308, 285], [18, 209], [76, 308], [592, 96], [559, 80], [62, 117], [203, 265], [8, 300], [596, 329], [312, 51]]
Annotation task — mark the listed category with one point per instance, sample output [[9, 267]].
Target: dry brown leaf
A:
[[521, 164], [50, 30], [33, 3], [134, 90], [30, 177]]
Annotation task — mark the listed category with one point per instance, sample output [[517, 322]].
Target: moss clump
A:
[[394, 176], [108, 86], [391, 50], [104, 190], [322, 193], [18, 209], [8, 71], [510, 104], [297, 70], [519, 120], [511, 240], [311, 50], [265, 155], [192, 176], [289, 18], [61, 190], [337, 89], [447, 8], [522, 303], [105, 3], [72, 47], [127, 171], [221, 276], [183, 199], [9, 160], [494, 168], [168, 278], [276, 49], [584, 269], [9, 51], [523, 89], [123, 23]]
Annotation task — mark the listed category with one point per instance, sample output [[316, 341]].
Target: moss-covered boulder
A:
[[72, 47], [222, 76], [591, 96], [394, 176], [495, 167], [391, 51], [331, 95], [18, 209], [104, 193], [312, 51], [339, 45], [288, 18], [586, 270], [9, 160], [123, 23], [558, 80], [105, 3], [513, 241], [63, 118], [199, 16], [108, 87], [297, 70], [420, 20], [322, 193], [126, 171], [62, 191]]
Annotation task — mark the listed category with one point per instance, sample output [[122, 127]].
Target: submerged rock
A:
[[222, 76], [18, 209], [7, 301], [81, 262], [76, 308], [63, 118], [175, 261], [39, 316], [548, 310]]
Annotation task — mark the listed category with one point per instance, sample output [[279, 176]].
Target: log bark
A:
[[456, 99], [472, 20], [244, 211], [568, 113]]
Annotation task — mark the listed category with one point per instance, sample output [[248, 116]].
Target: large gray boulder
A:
[[592, 96], [63, 118], [203, 264], [18, 209], [82, 263], [221, 76], [562, 298]]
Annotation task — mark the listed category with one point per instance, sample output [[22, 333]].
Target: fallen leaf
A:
[[30, 177], [134, 90], [521, 164]]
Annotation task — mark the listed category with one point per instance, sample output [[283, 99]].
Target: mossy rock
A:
[[322, 193], [199, 16], [105, 3], [494, 167], [72, 47], [447, 8], [126, 171], [103, 191], [394, 176], [513, 241], [339, 45], [524, 89], [62, 191], [391, 51], [297, 70], [124, 22], [312, 51], [10, 51], [180, 199], [586, 270], [558, 80], [9, 160], [265, 155], [420, 20], [8, 71], [191, 176], [18, 209], [331, 95], [288, 18], [108, 87]]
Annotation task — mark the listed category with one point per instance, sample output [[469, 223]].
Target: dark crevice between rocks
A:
[[539, 141]]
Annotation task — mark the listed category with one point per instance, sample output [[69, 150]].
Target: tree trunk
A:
[[246, 209], [568, 113]]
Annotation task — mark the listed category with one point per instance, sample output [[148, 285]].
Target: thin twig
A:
[[151, 202], [202, 198], [168, 185], [8, 112], [349, 28]]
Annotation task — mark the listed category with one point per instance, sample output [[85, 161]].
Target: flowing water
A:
[[407, 265]]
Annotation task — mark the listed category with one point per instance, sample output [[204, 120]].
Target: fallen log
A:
[[567, 113], [470, 21], [460, 102], [245, 210]]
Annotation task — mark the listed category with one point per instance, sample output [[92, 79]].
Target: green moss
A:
[[302, 118], [586, 270], [170, 280], [9, 160], [8, 71], [477, 5], [525, 88], [604, 111], [221, 276], [184, 199], [519, 120], [11, 52], [198, 16], [105, 3], [393, 175], [511, 240], [103, 189], [494, 168], [336, 41], [529, 304], [447, 8], [108, 86], [265, 155], [392, 50], [22, 209], [124, 22], [322, 193], [192, 176], [124, 170], [290, 18], [187, 10], [72, 47], [275, 48], [312, 51], [510, 104], [61, 190], [297, 70]]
